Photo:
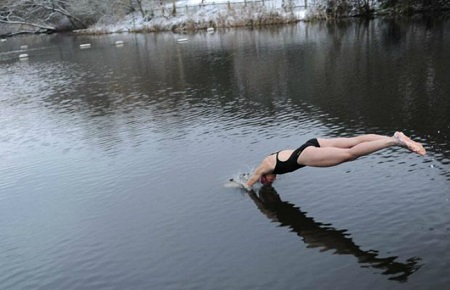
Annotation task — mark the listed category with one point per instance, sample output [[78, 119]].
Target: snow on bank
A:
[[192, 18]]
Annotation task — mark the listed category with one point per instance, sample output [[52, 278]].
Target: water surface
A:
[[113, 159]]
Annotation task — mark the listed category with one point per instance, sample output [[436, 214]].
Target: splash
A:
[[238, 180]]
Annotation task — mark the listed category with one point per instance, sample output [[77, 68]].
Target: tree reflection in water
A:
[[324, 236]]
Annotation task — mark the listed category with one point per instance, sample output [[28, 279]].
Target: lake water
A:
[[114, 159]]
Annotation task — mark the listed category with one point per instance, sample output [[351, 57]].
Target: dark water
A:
[[113, 159]]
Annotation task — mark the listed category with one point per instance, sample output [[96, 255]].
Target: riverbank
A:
[[202, 18], [103, 17], [235, 14]]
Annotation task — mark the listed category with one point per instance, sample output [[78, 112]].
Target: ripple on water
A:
[[112, 173]]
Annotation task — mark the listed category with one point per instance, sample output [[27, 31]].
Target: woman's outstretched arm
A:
[[264, 168]]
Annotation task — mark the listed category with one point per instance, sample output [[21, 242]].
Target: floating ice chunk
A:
[[180, 40], [86, 45]]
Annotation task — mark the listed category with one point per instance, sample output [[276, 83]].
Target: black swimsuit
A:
[[291, 163]]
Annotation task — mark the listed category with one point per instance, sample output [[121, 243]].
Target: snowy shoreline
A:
[[227, 14], [211, 16], [180, 16]]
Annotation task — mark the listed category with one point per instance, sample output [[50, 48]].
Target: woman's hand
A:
[[246, 186]]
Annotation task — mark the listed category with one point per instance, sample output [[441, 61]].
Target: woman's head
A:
[[268, 179]]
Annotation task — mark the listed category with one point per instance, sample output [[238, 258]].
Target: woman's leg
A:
[[338, 150], [331, 156], [348, 142]]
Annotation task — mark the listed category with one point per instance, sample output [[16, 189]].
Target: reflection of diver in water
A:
[[323, 236]]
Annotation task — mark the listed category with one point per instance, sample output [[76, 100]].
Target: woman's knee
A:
[[346, 156], [351, 157]]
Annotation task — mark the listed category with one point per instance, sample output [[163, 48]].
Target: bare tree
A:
[[25, 15], [139, 4], [50, 15]]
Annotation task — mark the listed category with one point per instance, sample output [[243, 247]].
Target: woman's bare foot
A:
[[410, 144]]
